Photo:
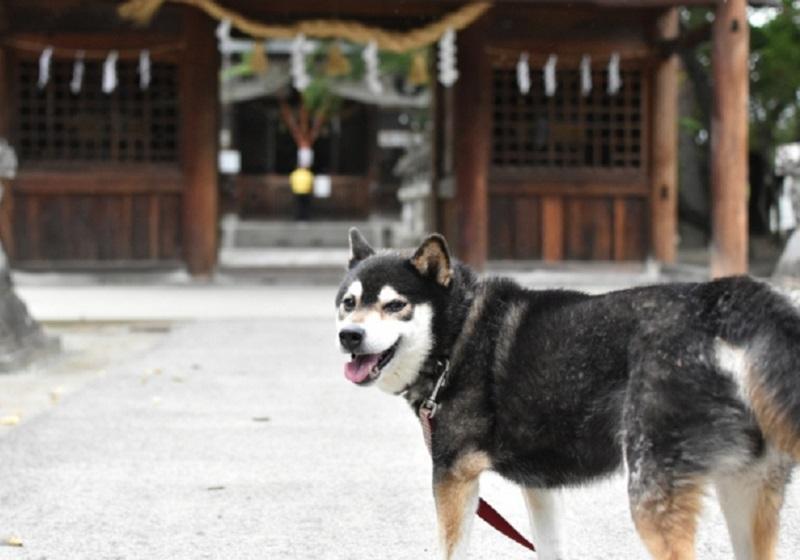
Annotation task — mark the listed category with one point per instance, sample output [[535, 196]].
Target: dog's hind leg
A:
[[665, 515], [544, 511], [456, 493], [751, 502]]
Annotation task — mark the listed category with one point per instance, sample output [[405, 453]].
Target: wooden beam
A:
[[729, 139], [472, 142], [199, 108], [664, 179]]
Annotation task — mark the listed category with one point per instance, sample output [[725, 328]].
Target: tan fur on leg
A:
[[766, 520], [774, 422], [667, 522], [456, 493]]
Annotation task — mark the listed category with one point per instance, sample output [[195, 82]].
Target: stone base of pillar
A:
[[788, 267], [22, 339]]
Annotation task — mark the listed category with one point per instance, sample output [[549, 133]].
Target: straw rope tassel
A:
[[418, 73], [259, 62], [336, 63], [140, 11]]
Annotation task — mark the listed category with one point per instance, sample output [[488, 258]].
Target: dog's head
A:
[[386, 308]]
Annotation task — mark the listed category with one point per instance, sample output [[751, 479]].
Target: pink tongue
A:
[[358, 370]]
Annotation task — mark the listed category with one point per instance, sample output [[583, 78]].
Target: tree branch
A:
[[291, 122]]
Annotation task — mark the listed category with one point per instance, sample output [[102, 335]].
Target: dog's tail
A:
[[768, 363]]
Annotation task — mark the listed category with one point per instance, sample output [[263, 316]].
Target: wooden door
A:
[[568, 177]]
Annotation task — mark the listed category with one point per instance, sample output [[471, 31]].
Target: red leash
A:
[[485, 511], [498, 522]]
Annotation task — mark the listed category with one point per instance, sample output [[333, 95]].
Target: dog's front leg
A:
[[456, 492], [544, 511]]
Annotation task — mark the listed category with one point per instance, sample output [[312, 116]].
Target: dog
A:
[[685, 386]]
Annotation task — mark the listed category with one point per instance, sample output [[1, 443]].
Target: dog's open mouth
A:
[[365, 368]]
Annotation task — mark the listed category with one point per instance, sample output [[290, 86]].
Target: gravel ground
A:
[[241, 439]]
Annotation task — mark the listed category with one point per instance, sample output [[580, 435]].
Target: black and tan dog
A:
[[688, 385]]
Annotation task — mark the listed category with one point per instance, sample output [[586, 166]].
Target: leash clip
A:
[[431, 404], [430, 407]]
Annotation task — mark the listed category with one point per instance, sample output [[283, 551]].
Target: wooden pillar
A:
[[731, 44], [199, 110], [472, 138], [664, 179]]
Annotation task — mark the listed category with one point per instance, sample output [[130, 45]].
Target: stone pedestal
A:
[[21, 338], [788, 267]]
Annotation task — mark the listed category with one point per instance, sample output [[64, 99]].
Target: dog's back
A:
[[561, 366]]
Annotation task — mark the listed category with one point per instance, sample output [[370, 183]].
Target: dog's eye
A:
[[349, 303], [394, 306]]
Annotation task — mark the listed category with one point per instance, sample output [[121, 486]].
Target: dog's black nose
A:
[[351, 338]]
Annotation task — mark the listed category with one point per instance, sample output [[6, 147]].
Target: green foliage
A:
[[691, 124], [318, 96], [775, 79], [774, 75], [319, 93]]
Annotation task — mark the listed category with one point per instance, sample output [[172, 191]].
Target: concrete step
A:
[[276, 265], [245, 234]]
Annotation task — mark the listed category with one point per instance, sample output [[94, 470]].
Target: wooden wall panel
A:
[[553, 228], [271, 196], [169, 234], [527, 228], [635, 241], [105, 217], [87, 228], [588, 225], [140, 229], [501, 233]]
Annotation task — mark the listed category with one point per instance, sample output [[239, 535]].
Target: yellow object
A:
[[10, 420], [13, 541], [142, 11], [302, 181], [418, 74], [259, 62], [337, 63]]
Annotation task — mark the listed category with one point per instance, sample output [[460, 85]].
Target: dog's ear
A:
[[359, 248], [432, 259]]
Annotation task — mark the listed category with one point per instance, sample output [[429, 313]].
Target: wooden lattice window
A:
[[130, 124], [569, 129]]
